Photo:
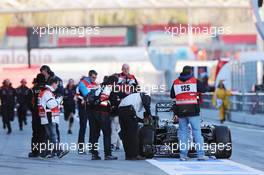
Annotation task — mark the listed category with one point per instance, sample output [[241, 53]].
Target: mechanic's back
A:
[[186, 90]]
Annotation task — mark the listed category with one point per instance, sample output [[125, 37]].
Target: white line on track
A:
[[210, 167]]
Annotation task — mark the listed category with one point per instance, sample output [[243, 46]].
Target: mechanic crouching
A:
[[185, 90], [128, 110]]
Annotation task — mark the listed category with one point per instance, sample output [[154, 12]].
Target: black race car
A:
[[160, 137]]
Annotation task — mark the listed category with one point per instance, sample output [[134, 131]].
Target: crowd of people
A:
[[11, 98], [112, 107], [96, 103]]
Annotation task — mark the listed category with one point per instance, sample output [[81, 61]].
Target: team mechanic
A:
[[49, 74], [38, 131], [49, 113], [126, 84], [129, 116], [85, 86]]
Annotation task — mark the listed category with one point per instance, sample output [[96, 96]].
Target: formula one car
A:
[[160, 137]]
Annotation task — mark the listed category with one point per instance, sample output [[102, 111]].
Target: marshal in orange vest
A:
[[186, 92]]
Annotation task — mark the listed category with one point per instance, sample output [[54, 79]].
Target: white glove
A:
[[59, 100]]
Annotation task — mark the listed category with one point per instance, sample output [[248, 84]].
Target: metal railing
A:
[[247, 102]]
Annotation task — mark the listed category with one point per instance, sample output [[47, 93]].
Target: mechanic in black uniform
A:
[[22, 103], [69, 103], [100, 119], [127, 82], [7, 95], [49, 74], [128, 110], [38, 131]]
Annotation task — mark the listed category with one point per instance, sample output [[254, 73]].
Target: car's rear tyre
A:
[[222, 137], [148, 151], [146, 142]]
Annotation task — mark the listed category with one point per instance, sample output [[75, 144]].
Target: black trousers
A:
[[58, 131], [8, 115], [100, 120], [38, 134], [129, 129], [69, 107], [22, 113], [83, 116]]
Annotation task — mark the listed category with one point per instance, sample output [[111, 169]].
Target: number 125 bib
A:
[[186, 92]]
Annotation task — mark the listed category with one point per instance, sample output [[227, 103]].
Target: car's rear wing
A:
[[164, 106]]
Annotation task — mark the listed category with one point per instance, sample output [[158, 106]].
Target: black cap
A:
[[112, 79], [46, 68], [40, 79], [187, 69]]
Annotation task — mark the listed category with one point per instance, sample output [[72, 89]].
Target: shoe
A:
[[82, 152], [110, 157], [203, 158], [8, 132], [33, 155], [222, 121], [4, 126], [184, 159], [136, 158], [44, 153], [21, 129], [69, 131], [63, 153], [140, 157], [96, 157], [25, 122], [49, 155]]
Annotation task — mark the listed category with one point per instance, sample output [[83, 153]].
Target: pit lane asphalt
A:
[[247, 149]]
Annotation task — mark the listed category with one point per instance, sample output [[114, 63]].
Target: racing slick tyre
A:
[[146, 142], [148, 151], [222, 137]]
